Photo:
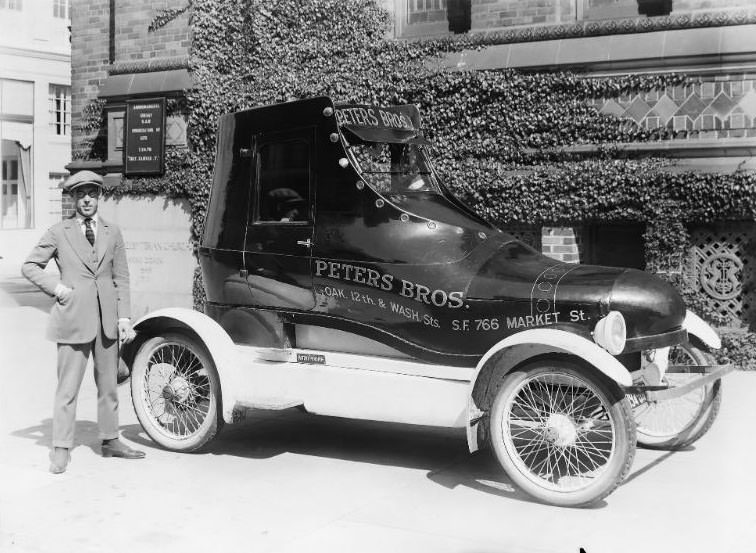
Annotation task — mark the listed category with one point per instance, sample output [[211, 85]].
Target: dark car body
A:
[[296, 234]]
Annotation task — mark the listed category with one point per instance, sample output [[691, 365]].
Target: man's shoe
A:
[[59, 459], [115, 448]]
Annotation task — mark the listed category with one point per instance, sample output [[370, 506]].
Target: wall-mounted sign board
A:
[[145, 137]]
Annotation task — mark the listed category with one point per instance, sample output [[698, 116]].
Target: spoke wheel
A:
[[176, 392], [678, 422], [564, 434]]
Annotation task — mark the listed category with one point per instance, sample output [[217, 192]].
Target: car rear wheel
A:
[[563, 433], [176, 392], [678, 422]]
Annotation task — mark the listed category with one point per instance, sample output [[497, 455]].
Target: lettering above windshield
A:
[[399, 118]]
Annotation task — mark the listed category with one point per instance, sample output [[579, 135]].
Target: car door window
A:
[[284, 181]]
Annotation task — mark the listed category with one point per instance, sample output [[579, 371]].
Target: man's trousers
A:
[[72, 363]]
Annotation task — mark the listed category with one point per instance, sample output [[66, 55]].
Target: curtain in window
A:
[[24, 186]]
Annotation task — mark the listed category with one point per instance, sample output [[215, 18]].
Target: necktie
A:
[[88, 232]]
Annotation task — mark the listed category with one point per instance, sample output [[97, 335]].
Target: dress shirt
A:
[[83, 226]]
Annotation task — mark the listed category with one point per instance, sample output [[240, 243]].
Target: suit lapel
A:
[[103, 238], [79, 244]]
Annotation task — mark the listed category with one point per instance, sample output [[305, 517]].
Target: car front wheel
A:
[[176, 392], [562, 432]]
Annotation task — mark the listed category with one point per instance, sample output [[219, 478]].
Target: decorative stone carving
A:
[[720, 276]]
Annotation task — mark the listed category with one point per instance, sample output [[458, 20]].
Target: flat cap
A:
[[81, 178]]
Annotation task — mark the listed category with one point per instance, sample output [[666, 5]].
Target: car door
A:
[[278, 244]]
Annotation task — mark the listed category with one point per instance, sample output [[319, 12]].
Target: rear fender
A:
[[217, 342], [511, 352]]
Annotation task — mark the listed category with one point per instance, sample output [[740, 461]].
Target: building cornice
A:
[[668, 50], [693, 148], [634, 25], [149, 66], [38, 54]]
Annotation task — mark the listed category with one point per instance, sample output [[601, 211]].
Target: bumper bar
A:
[[660, 393]]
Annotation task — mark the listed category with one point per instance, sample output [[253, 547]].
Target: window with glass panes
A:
[[60, 109], [61, 8], [11, 4]]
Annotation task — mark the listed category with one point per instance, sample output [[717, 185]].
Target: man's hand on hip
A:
[[63, 293], [126, 332]]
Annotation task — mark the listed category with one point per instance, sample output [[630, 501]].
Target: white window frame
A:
[[17, 5], [8, 200], [116, 117], [60, 109], [62, 9]]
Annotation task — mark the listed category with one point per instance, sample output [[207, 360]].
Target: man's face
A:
[[86, 197]]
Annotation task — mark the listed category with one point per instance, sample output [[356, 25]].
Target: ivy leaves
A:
[[502, 140]]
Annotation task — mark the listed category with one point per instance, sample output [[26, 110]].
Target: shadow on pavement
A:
[[87, 434], [635, 474], [442, 452]]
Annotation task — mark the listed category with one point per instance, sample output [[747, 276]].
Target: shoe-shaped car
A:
[[344, 278]]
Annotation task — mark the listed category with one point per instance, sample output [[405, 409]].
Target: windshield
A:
[[393, 168]]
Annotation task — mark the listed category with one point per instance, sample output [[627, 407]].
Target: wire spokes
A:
[[559, 431], [177, 390]]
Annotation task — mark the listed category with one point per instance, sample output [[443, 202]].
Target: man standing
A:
[[90, 315]]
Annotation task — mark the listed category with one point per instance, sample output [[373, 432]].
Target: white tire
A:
[[176, 392], [562, 432]]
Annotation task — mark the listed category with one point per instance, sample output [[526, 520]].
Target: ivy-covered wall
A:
[[498, 136]]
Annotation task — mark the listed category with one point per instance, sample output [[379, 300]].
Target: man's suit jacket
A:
[[98, 276]]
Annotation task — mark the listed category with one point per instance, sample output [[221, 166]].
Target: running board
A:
[[271, 404], [288, 356]]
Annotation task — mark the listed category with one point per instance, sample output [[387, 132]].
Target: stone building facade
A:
[[35, 120], [710, 124]]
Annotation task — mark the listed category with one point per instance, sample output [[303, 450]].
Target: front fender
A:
[[210, 333], [701, 330], [560, 341], [512, 351]]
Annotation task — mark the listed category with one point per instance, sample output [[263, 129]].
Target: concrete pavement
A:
[[288, 481]]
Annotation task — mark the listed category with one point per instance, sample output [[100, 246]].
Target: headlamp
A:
[[610, 333]]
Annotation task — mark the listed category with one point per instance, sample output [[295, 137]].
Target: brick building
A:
[[121, 52], [712, 121], [115, 57]]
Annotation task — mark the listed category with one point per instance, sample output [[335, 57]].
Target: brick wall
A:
[[505, 13], [89, 60], [490, 14], [494, 14], [134, 43], [560, 243], [68, 207], [687, 5], [90, 48]]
